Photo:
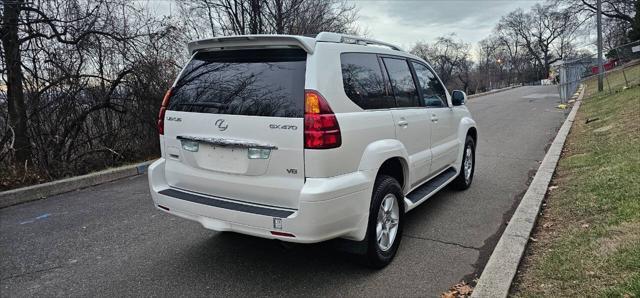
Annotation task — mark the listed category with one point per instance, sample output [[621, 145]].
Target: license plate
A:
[[223, 159]]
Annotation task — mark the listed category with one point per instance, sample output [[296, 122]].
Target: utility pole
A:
[[600, 66]]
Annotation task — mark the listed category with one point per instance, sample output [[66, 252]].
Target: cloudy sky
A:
[[403, 22]]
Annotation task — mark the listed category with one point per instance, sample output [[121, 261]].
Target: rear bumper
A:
[[328, 208]]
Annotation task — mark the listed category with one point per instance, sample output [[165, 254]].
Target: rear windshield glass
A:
[[243, 82]]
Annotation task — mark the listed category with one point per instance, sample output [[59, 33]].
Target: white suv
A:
[[307, 139]]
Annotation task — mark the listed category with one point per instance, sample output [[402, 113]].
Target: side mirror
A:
[[458, 97]]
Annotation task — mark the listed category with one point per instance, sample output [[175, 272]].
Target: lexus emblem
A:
[[221, 124]]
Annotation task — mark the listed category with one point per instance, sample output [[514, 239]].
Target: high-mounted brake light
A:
[[321, 129], [163, 110]]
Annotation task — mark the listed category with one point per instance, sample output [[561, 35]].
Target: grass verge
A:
[[587, 241]]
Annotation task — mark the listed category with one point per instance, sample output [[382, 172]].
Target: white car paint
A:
[[329, 195]]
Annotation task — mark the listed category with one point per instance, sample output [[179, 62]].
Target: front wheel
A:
[[384, 231], [467, 168]]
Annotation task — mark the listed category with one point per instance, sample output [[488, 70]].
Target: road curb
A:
[[491, 92], [41, 191], [502, 266]]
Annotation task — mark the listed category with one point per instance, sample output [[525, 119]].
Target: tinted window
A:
[[402, 83], [243, 82], [363, 81], [434, 95]]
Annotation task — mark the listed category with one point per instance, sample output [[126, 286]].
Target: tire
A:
[[380, 253], [465, 177]]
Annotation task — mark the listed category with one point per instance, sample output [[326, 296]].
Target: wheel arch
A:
[[389, 157], [395, 167], [473, 132], [467, 127]]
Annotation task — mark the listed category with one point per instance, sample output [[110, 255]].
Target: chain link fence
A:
[[617, 62]]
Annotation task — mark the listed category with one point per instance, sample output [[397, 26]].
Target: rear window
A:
[[363, 81], [268, 82], [402, 82]]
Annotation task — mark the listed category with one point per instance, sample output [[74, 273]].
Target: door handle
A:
[[403, 123], [434, 118]]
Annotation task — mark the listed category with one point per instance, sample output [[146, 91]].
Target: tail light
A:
[[321, 129], [163, 109]]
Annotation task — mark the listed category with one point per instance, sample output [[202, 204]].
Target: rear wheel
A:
[[467, 168], [384, 231]]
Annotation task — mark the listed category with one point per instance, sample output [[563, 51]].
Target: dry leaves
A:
[[450, 294], [461, 290]]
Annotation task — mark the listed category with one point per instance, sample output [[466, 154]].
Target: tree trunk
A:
[[255, 23], [279, 17], [546, 66], [15, 92]]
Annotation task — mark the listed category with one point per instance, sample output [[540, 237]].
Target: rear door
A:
[[234, 126], [444, 137], [411, 119]]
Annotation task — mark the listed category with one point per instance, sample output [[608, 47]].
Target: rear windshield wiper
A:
[[204, 104]]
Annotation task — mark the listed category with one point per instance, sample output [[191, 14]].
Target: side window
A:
[[402, 82], [363, 81], [433, 93]]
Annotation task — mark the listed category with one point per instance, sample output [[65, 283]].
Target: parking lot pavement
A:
[[109, 240]]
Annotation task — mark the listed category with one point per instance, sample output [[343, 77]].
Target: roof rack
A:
[[352, 39]]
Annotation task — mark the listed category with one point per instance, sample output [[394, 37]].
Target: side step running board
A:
[[430, 186]]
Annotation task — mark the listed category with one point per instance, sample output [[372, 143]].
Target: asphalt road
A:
[[109, 240]]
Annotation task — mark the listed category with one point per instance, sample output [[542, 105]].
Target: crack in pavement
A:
[[31, 272], [443, 242]]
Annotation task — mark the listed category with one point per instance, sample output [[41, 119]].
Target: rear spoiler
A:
[[306, 43]]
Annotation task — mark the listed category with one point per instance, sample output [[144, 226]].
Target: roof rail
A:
[[352, 39]]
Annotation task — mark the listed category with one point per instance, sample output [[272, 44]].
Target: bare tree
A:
[[514, 57], [71, 73], [464, 74], [543, 30], [198, 18], [85, 78], [520, 50], [15, 94], [615, 9], [314, 16], [280, 13], [446, 56], [238, 17], [620, 18], [634, 33]]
